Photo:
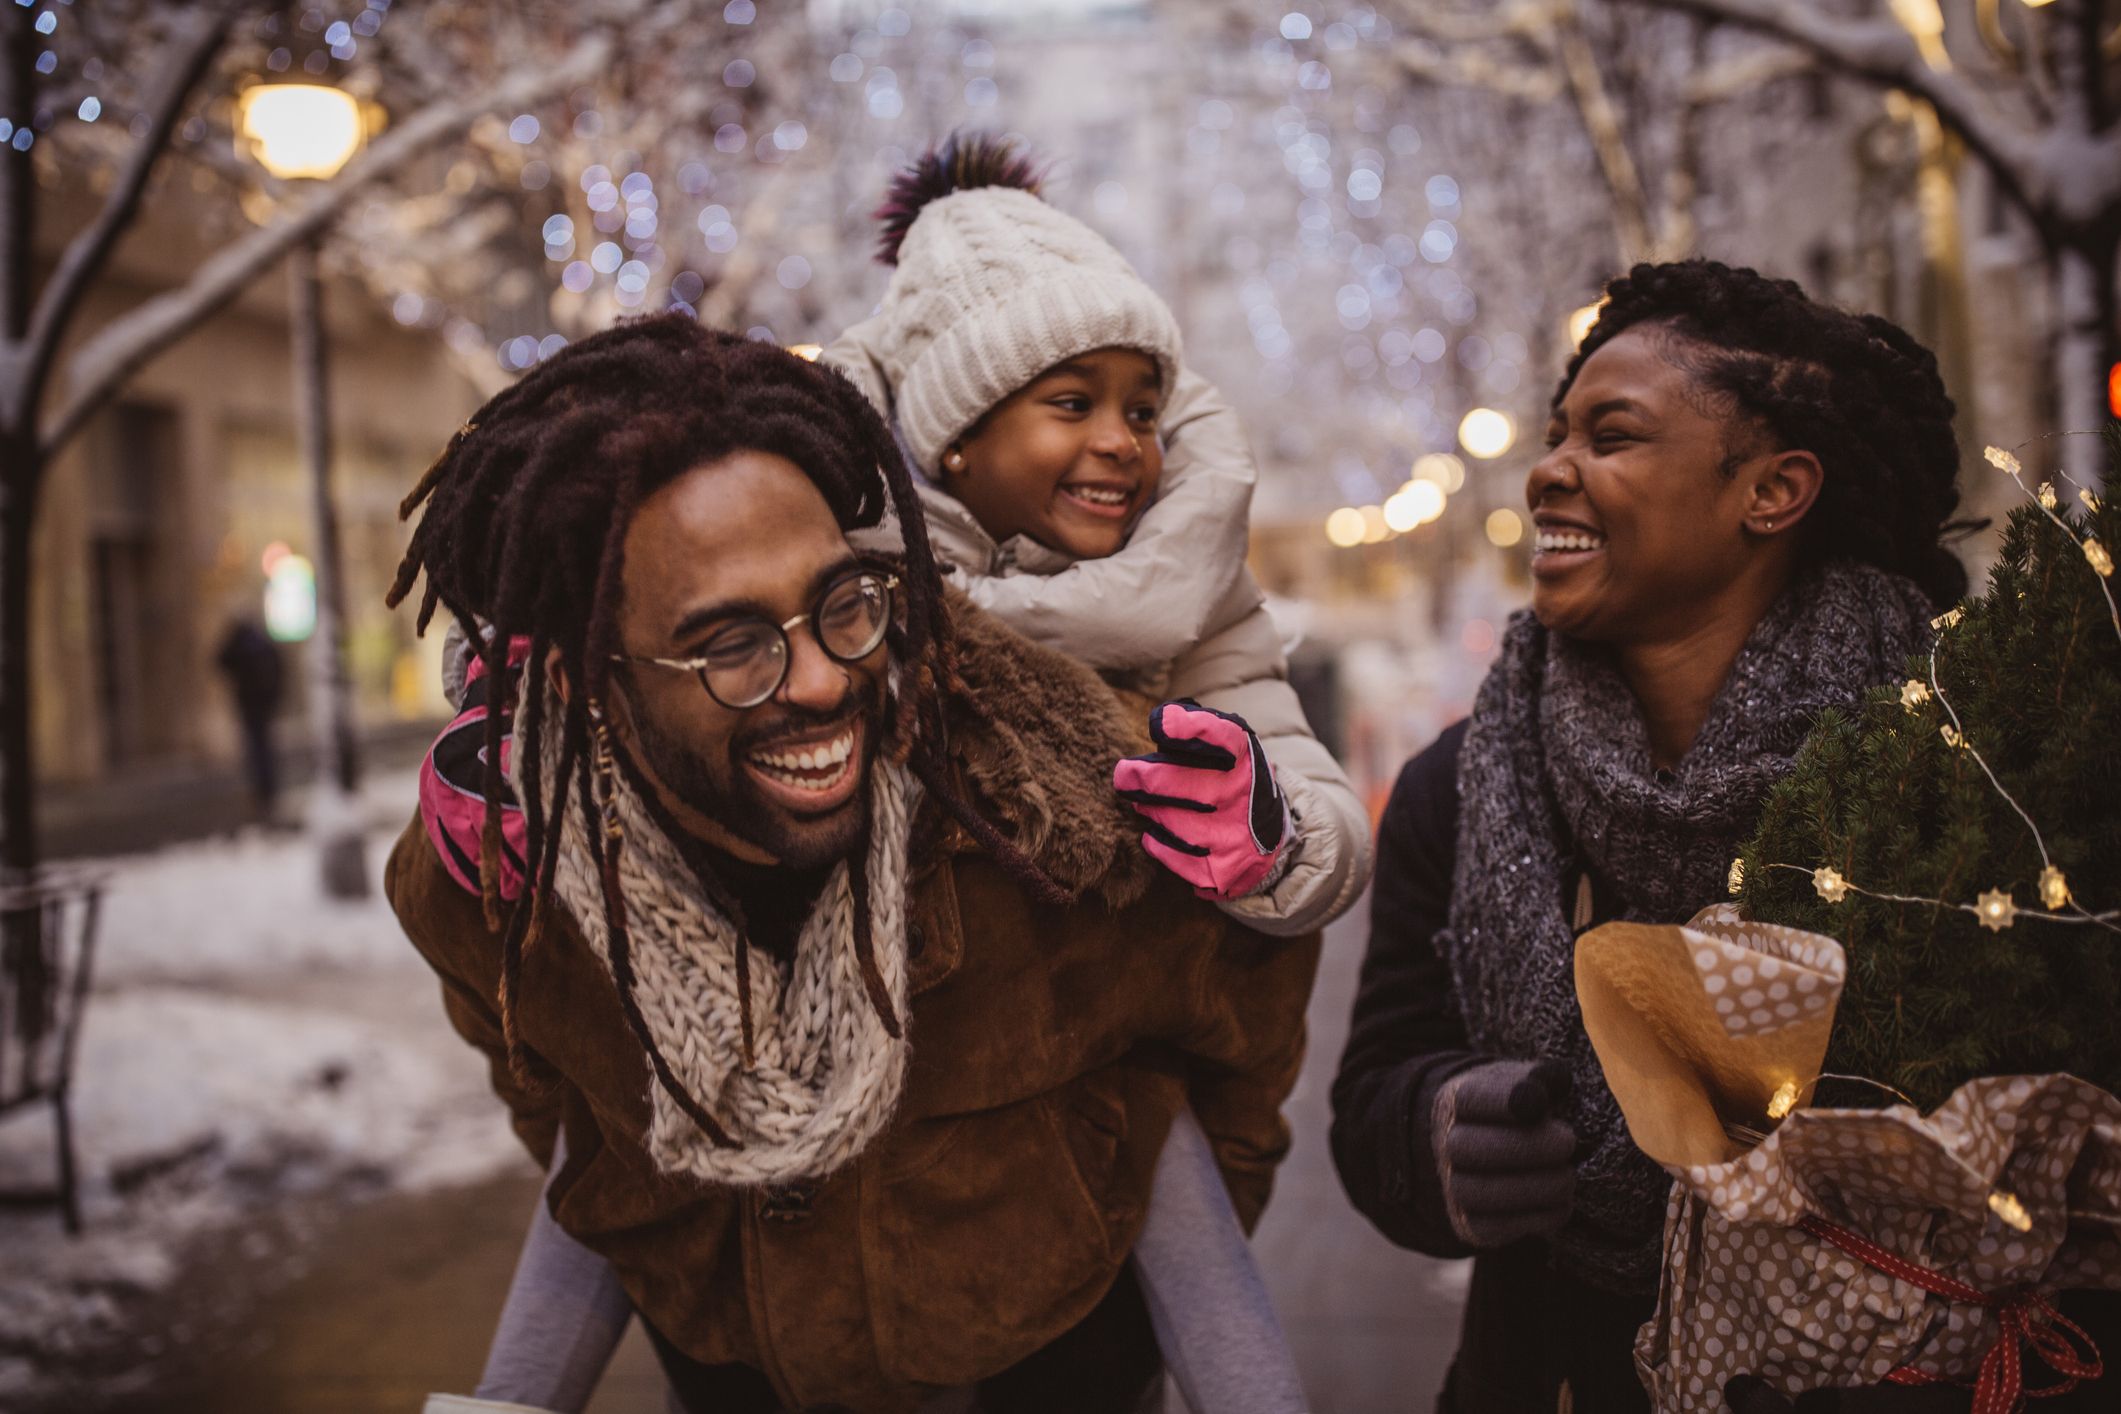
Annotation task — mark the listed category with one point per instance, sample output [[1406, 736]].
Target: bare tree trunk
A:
[[18, 184], [1601, 122], [2084, 349], [21, 459], [19, 476], [334, 812]]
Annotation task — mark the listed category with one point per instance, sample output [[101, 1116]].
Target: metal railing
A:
[[47, 953]]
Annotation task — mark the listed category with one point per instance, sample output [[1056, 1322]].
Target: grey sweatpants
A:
[[1214, 1322]]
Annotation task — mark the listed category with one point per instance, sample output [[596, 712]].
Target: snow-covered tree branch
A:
[[2055, 153], [121, 347]]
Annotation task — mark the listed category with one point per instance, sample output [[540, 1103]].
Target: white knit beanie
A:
[[994, 286]]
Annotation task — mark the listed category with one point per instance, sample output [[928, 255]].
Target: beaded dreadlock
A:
[[1855, 390], [524, 531]]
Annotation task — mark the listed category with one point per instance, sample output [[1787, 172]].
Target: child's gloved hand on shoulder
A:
[[1214, 814]]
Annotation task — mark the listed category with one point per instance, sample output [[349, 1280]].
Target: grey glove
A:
[[1506, 1163]]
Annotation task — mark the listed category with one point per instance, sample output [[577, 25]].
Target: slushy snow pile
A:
[[246, 1041]]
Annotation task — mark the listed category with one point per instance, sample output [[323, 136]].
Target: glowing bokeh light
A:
[[300, 129], [1486, 433]]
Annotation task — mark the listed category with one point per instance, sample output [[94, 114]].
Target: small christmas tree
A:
[[1990, 957]]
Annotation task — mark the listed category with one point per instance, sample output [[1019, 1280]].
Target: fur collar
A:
[[1034, 736]]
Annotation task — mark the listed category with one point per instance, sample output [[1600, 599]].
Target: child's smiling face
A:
[[1069, 459]]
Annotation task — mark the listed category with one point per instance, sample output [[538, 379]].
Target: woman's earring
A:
[[1767, 525], [954, 460]]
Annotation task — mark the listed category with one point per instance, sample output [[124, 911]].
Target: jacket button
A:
[[787, 1204], [916, 940]]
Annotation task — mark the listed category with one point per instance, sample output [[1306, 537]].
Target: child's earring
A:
[[953, 460]]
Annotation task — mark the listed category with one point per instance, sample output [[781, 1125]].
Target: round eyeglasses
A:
[[747, 660]]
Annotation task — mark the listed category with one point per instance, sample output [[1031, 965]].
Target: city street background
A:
[[261, 260]]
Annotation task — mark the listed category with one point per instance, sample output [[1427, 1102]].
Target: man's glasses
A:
[[747, 661]]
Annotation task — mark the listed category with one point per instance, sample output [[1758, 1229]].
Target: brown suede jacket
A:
[[1051, 1048]]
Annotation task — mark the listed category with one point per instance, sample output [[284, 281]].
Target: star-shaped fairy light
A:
[[1828, 883], [1948, 619], [2054, 888], [2046, 496], [2003, 461], [1952, 737], [1736, 879], [1783, 1100], [1913, 693], [1996, 910], [2100, 560]]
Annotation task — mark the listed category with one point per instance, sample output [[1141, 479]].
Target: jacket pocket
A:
[[1090, 1119], [988, 1235]]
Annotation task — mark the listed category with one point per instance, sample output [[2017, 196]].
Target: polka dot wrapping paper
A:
[[1745, 1290]]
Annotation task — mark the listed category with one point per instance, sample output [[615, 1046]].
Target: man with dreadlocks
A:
[[838, 984]]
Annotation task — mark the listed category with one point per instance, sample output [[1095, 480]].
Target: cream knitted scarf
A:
[[826, 1074]]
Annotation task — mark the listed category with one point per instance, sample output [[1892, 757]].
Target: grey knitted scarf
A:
[[1555, 778]]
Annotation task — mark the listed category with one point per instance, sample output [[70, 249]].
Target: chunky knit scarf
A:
[[1555, 778], [826, 1075]]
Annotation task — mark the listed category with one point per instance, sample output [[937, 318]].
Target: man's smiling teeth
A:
[[1570, 540], [1098, 495], [826, 757]]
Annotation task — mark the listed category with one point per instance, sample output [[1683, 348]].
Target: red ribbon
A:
[[2026, 1318]]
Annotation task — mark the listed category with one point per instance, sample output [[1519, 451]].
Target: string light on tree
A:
[[2095, 553], [1947, 987], [1995, 910]]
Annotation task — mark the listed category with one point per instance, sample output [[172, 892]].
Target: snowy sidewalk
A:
[[247, 1044]]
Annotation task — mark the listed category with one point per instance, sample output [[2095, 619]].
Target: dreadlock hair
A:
[[960, 162], [1855, 390], [524, 530]]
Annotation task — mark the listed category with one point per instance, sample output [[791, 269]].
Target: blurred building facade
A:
[[161, 517]]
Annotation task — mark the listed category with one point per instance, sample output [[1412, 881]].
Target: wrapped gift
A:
[[1838, 1247]]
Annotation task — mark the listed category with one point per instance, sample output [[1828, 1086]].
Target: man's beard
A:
[[731, 798]]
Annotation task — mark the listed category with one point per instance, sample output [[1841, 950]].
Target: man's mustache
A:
[[802, 721]]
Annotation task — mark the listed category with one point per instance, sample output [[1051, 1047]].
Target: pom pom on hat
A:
[[960, 162]]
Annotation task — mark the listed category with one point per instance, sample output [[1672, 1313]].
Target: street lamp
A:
[[307, 132], [301, 130]]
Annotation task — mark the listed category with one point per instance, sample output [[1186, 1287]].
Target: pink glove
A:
[[1215, 816], [453, 779]]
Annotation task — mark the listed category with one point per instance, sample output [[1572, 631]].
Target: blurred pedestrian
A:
[[257, 683], [1741, 519]]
